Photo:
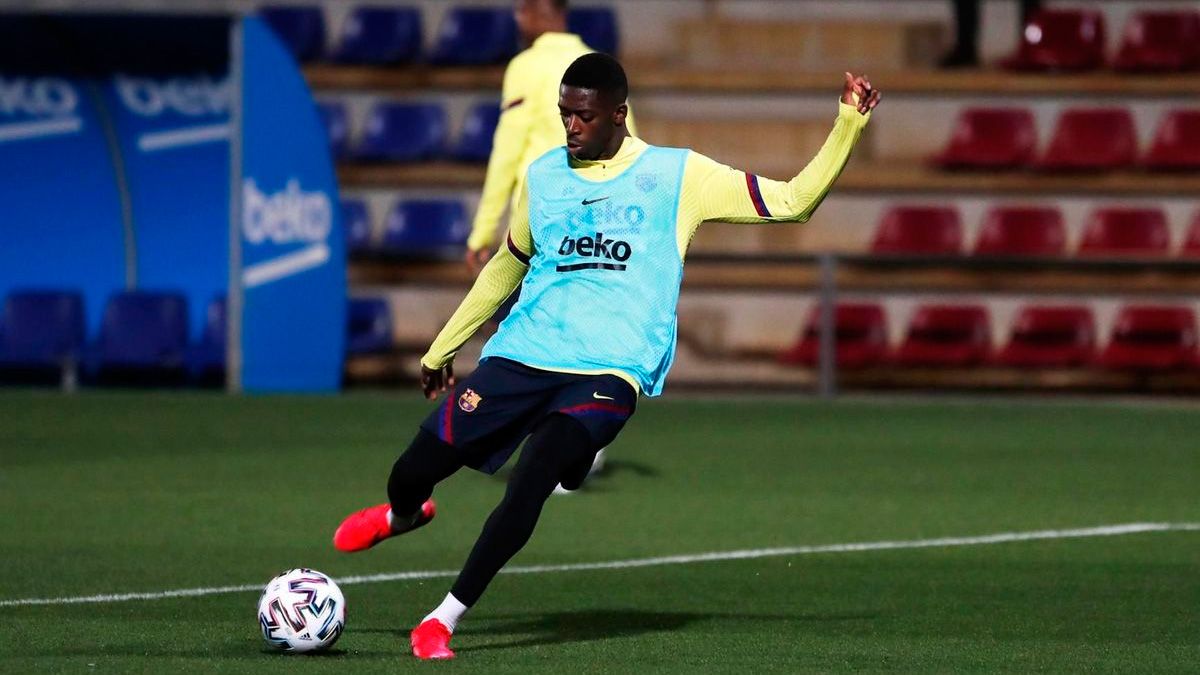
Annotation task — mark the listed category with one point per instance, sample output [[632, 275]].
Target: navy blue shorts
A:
[[491, 411]]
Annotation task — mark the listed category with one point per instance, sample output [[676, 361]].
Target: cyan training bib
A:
[[603, 281]]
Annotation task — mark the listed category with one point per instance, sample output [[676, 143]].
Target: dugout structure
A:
[[175, 153]]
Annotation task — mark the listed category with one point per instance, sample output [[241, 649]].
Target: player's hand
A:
[[435, 381], [477, 259], [858, 92]]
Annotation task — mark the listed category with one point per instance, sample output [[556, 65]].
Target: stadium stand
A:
[[990, 138], [475, 142], [1152, 337], [356, 221], [426, 228], [919, 230], [597, 26], [368, 326], [1050, 337], [1176, 145], [41, 330], [1091, 139], [860, 335], [1060, 40], [1159, 42], [475, 36], [380, 36], [403, 132], [1022, 231], [300, 27], [944, 335], [1114, 232], [337, 127], [143, 336], [1191, 241]]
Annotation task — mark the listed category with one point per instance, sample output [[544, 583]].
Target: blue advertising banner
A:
[[174, 140], [60, 209], [293, 259]]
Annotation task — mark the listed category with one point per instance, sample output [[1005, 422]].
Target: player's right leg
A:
[[427, 461]]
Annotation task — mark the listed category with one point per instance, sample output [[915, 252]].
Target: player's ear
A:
[[619, 114]]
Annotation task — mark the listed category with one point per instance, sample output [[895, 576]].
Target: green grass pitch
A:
[[126, 492]]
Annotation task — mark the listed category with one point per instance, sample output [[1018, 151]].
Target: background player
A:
[[598, 236]]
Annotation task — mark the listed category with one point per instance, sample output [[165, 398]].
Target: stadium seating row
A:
[[1144, 337], [1031, 231], [1073, 39], [416, 228], [393, 35], [410, 132], [1084, 139], [144, 336]]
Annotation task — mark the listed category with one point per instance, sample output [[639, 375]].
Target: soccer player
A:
[[529, 126], [529, 123], [598, 239]]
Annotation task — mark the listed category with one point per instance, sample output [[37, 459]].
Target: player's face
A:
[[589, 120], [531, 16]]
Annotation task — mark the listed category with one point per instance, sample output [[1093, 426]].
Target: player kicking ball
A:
[[598, 238]]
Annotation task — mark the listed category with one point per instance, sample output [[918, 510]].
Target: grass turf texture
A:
[[109, 493]]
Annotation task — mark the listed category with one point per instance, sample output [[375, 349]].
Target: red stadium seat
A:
[[1060, 39], [1176, 144], [919, 230], [1191, 242], [946, 335], [861, 331], [1022, 230], [990, 138], [1091, 140], [1051, 337], [1126, 232], [1160, 41], [1152, 338]]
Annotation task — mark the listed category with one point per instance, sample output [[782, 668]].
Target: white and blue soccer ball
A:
[[302, 610]]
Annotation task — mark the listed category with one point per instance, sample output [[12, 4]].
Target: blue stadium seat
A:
[[368, 326], [380, 35], [471, 36], [41, 330], [300, 27], [403, 132], [356, 221], [208, 357], [145, 332], [597, 26], [337, 126], [432, 228], [475, 144]]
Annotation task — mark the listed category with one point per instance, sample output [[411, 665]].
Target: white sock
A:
[[449, 612]]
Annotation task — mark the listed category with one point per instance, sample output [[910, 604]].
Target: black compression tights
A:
[[558, 450]]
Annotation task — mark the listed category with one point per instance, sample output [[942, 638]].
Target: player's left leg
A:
[[558, 443]]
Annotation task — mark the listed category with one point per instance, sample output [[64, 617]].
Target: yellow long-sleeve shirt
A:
[[529, 126], [710, 191]]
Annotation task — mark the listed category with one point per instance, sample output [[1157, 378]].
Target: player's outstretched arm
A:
[[499, 278], [720, 193]]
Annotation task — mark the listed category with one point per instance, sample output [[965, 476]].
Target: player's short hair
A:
[[600, 72], [560, 4]]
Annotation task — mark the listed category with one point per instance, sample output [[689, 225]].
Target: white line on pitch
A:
[[713, 556]]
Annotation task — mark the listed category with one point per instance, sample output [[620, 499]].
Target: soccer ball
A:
[[301, 610]]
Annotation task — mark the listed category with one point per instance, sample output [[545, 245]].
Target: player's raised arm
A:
[[720, 193], [499, 278]]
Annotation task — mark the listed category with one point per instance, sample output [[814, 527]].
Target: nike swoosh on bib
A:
[[596, 394], [588, 202]]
